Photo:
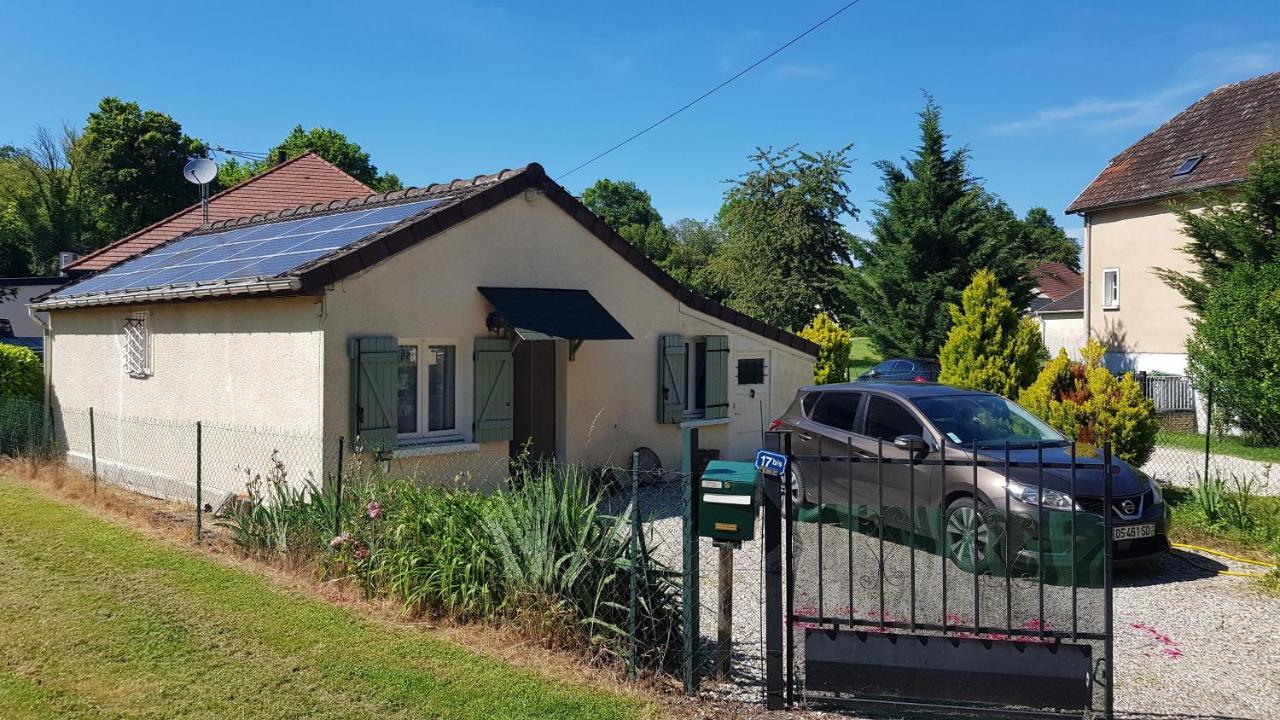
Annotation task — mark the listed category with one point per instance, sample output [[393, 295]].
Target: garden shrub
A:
[[1085, 402], [1235, 348], [990, 346], [834, 344], [21, 373]]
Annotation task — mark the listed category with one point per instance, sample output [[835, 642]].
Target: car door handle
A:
[[805, 436]]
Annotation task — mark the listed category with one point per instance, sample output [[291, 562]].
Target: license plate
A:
[[1134, 532]]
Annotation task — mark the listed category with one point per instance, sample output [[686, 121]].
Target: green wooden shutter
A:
[[717, 377], [493, 366], [374, 372], [672, 374]]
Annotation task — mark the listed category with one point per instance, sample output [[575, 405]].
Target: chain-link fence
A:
[[1201, 438], [692, 608]]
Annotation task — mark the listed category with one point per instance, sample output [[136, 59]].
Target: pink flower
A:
[[361, 553], [375, 509], [339, 540]]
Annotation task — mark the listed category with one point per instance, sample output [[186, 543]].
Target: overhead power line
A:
[[715, 89]]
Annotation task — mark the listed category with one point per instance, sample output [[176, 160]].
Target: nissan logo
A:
[[1128, 507]]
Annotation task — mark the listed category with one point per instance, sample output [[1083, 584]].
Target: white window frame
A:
[[423, 345], [136, 344], [1111, 303]]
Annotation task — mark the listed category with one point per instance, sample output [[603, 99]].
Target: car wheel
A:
[[968, 537], [795, 486]]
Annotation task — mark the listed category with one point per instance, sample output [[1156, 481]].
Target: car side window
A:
[[887, 419], [883, 367], [807, 403], [837, 410]]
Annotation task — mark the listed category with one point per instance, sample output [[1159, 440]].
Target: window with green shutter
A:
[[671, 378], [374, 374], [493, 389], [717, 391]]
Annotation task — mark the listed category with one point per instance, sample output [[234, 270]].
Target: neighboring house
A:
[[1058, 308], [304, 180], [16, 325], [451, 326], [1130, 231]]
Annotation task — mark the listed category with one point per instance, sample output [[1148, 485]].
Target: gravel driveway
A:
[[1188, 642], [1184, 467]]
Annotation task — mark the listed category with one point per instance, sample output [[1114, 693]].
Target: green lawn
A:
[[98, 621], [862, 356], [1221, 445]]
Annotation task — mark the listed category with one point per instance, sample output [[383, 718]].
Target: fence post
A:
[[1108, 603], [635, 556], [199, 477], [1208, 429], [93, 449], [692, 606], [337, 491]]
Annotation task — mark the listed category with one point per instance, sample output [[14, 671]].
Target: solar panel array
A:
[[263, 250]]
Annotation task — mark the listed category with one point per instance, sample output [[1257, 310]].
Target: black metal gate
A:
[[887, 588]]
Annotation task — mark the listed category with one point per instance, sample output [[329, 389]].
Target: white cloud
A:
[[1201, 72]]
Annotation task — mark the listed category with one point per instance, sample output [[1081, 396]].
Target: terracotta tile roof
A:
[[460, 201], [1056, 280], [1071, 302], [1223, 126], [307, 178]]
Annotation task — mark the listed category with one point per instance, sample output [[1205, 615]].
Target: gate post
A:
[[773, 620], [692, 607], [1108, 601]]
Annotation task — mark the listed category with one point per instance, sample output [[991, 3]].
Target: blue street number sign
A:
[[771, 463]]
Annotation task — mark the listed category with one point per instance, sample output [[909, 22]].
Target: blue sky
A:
[[1043, 93]]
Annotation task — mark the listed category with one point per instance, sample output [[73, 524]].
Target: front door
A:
[[534, 400]]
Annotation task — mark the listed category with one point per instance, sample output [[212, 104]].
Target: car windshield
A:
[[985, 420]]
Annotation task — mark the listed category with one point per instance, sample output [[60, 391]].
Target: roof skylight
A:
[[1188, 165]]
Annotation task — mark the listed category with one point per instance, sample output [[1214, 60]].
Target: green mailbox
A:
[[727, 501]]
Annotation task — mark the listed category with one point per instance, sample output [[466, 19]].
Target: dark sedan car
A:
[[913, 423], [911, 369]]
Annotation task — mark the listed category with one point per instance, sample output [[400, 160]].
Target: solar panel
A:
[[241, 253]]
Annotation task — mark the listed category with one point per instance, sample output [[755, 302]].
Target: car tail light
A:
[[921, 378], [775, 424]]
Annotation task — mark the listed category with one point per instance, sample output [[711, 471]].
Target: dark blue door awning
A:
[[553, 314]]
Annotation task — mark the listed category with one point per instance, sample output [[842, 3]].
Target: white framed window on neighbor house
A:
[[137, 345], [427, 389], [1110, 288]]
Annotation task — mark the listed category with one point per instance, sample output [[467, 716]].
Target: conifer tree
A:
[[990, 347]]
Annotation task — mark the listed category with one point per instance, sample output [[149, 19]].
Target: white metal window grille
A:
[[137, 346]]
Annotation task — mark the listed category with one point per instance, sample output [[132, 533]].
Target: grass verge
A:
[[1255, 535], [862, 356], [99, 621], [1240, 447]]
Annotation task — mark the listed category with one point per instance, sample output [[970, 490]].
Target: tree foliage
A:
[[1243, 229], [990, 346], [1235, 347], [133, 160], [1085, 402], [934, 229], [785, 247], [43, 203], [1045, 241], [630, 212], [21, 374], [693, 244], [834, 343], [329, 144]]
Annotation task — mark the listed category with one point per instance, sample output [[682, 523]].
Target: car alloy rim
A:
[[967, 534]]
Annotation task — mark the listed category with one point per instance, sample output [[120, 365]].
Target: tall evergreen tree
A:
[[934, 229], [785, 249], [1241, 230], [991, 346]]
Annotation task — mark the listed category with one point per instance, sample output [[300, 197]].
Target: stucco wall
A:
[[609, 389], [232, 364], [1150, 320], [1063, 331], [15, 309]]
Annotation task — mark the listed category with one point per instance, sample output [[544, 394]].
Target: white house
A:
[[450, 326]]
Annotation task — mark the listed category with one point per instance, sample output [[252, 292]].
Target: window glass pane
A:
[[696, 382], [407, 390], [887, 420], [837, 410], [751, 371], [441, 388]]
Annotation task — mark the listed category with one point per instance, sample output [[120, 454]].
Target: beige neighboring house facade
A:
[[1130, 232], [448, 327], [1058, 308]]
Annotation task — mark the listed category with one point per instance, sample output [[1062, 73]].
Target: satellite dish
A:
[[200, 171]]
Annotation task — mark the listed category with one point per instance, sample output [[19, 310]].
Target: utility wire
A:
[[713, 90]]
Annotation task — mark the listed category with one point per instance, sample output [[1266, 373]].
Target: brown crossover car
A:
[[916, 422]]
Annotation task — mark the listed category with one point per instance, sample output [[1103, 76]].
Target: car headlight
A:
[[1031, 495], [1157, 496]]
